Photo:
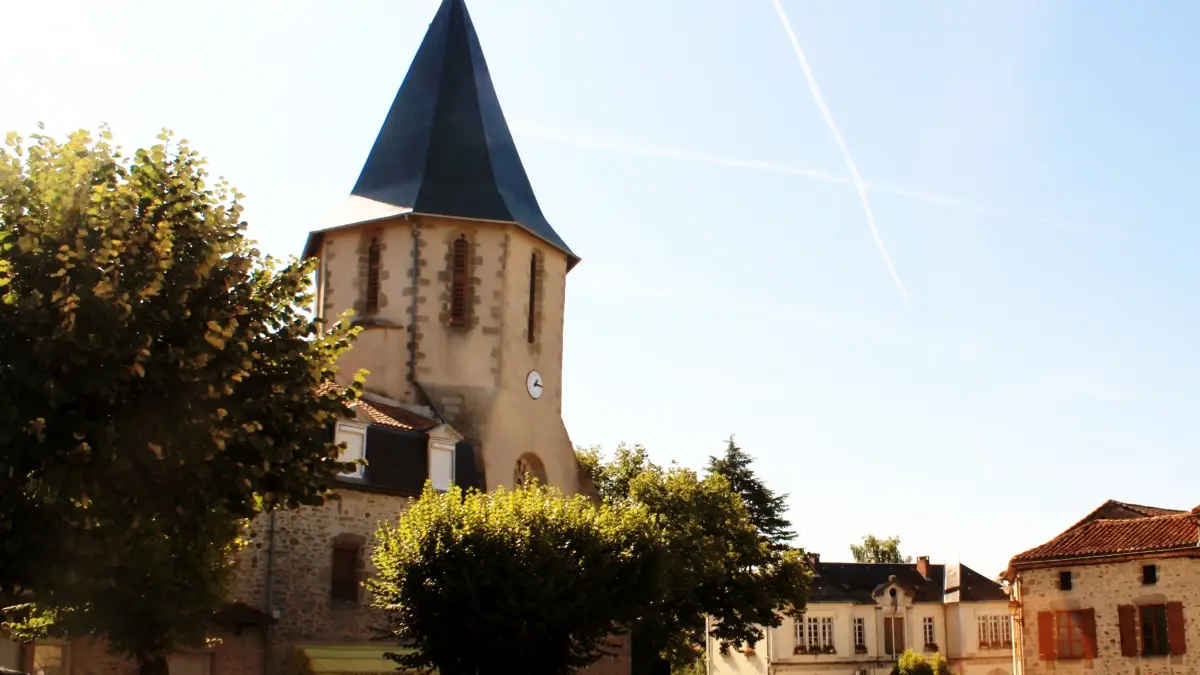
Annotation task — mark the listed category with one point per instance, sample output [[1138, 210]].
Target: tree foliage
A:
[[876, 550], [768, 510], [521, 581], [912, 663], [159, 381], [722, 565]]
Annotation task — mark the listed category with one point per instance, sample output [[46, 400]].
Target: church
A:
[[458, 281]]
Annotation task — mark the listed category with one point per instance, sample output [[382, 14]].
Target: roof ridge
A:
[[1136, 507], [1109, 521]]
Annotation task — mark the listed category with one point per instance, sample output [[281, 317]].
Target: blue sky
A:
[[1029, 165]]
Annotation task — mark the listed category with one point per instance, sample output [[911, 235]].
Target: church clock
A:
[[533, 384]]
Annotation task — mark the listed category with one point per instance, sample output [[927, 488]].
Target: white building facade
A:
[[862, 616]]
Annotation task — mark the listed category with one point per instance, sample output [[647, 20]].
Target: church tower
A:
[[452, 270]]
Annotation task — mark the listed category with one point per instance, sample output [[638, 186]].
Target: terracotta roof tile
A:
[[1118, 537], [394, 417], [387, 415], [1150, 511]]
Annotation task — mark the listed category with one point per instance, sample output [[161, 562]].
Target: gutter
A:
[[1117, 556]]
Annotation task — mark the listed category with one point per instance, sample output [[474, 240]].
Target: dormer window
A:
[[354, 438], [441, 465]]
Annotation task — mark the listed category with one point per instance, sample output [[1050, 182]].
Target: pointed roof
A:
[[1106, 538], [445, 148]]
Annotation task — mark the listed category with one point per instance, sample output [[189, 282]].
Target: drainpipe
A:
[[412, 317], [270, 603], [1016, 628]]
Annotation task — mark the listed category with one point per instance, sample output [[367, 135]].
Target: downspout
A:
[[412, 316], [1016, 628], [270, 602]]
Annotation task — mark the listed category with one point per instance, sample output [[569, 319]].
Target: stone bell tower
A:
[[448, 263]]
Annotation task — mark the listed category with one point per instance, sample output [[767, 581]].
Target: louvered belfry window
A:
[[372, 300], [460, 281], [533, 298]]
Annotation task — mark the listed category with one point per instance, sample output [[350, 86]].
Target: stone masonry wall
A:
[[1103, 587], [300, 583]]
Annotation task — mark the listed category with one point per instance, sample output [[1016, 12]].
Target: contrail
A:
[[841, 143]]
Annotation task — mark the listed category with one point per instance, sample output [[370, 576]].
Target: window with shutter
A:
[[1087, 625], [893, 636], [1068, 633], [343, 574], [1126, 618], [460, 281], [1047, 647], [354, 436], [1153, 622], [372, 299], [1176, 635], [533, 297], [441, 465]]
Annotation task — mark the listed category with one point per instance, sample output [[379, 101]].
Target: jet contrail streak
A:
[[841, 143]]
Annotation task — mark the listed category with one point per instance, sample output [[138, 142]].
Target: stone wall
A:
[[1102, 588], [300, 581]]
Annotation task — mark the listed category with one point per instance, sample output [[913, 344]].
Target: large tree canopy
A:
[[767, 509], [722, 565], [876, 550], [521, 581], [159, 380]]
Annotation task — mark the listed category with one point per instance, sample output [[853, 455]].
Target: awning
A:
[[346, 659]]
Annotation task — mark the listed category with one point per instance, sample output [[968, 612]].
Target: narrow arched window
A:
[[343, 572], [460, 281], [533, 296], [372, 303]]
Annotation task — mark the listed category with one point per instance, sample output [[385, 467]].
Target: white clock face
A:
[[533, 384]]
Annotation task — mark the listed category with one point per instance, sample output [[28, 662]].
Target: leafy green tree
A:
[[534, 582], [767, 509], [722, 566], [160, 381], [912, 663], [876, 550]]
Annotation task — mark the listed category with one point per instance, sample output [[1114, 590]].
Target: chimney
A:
[[814, 559], [923, 565]]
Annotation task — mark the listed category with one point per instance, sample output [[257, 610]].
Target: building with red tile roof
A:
[[1117, 592]]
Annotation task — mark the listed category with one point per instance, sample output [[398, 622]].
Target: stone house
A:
[[1115, 593], [459, 282], [862, 616]]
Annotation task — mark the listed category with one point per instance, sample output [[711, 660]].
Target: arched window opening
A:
[[528, 469], [460, 280], [533, 297], [372, 303], [343, 573]]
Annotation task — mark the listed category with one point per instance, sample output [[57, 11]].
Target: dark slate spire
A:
[[445, 148]]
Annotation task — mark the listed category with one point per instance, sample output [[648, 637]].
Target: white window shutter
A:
[[441, 465], [355, 438]]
